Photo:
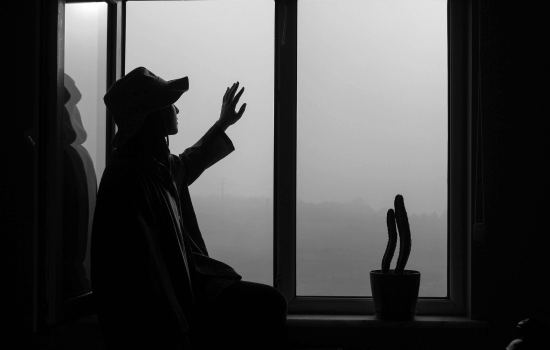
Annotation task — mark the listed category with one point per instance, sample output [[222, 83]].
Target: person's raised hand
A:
[[228, 116]]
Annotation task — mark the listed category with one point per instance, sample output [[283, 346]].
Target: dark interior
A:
[[513, 58]]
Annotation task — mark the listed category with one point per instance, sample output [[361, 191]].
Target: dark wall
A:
[[515, 109], [515, 98], [19, 105]]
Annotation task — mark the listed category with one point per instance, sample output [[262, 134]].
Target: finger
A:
[[232, 93], [236, 100], [229, 91], [225, 95], [241, 110]]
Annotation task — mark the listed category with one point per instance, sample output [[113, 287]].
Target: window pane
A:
[[372, 123], [84, 132], [217, 43]]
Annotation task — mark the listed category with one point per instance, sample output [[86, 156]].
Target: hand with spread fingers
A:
[[228, 116]]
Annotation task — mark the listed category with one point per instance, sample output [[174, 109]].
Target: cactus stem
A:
[[392, 241], [404, 233]]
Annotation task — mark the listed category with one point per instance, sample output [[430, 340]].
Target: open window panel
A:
[[77, 65], [67, 163], [371, 103], [84, 135]]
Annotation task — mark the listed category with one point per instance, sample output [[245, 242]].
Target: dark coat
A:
[[150, 265]]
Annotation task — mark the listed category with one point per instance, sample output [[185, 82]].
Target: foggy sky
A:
[[372, 122], [372, 93]]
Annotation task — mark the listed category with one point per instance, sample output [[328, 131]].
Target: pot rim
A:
[[405, 272]]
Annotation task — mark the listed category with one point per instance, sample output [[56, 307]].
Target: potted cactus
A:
[[395, 291]]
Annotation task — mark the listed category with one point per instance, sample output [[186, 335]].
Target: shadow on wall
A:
[[79, 196]]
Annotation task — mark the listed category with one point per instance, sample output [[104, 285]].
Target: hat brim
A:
[[171, 92]]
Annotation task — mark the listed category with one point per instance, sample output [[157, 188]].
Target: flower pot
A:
[[395, 295]]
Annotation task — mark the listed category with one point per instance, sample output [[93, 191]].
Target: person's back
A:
[[154, 283], [134, 248]]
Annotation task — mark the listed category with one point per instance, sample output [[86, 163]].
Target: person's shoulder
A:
[[124, 170], [124, 164]]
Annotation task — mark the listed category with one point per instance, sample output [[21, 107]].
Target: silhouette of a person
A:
[[153, 280], [79, 194]]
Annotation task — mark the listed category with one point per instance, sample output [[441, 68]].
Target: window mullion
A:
[[285, 147], [116, 49]]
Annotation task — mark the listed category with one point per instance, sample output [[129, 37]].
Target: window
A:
[[72, 134], [280, 96], [84, 135], [296, 97], [307, 55]]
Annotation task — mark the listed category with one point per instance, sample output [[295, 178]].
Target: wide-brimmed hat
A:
[[140, 92]]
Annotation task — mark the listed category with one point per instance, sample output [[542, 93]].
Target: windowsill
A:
[[425, 332], [369, 321]]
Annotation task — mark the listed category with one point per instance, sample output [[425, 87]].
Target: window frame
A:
[[460, 101], [459, 170], [465, 281]]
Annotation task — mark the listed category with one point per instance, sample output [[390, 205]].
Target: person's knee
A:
[[276, 304], [258, 301], [280, 302]]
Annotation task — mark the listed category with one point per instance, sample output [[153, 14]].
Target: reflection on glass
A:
[[83, 136], [372, 123], [216, 43]]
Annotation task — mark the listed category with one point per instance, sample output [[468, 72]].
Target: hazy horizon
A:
[[238, 231]]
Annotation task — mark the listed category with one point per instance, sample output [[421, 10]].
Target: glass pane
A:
[[372, 123], [84, 132], [217, 43]]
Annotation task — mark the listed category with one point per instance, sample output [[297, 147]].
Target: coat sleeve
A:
[[211, 148], [130, 281]]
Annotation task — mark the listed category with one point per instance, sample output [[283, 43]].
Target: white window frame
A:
[[459, 171]]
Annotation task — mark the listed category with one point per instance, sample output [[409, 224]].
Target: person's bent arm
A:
[[214, 145]]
